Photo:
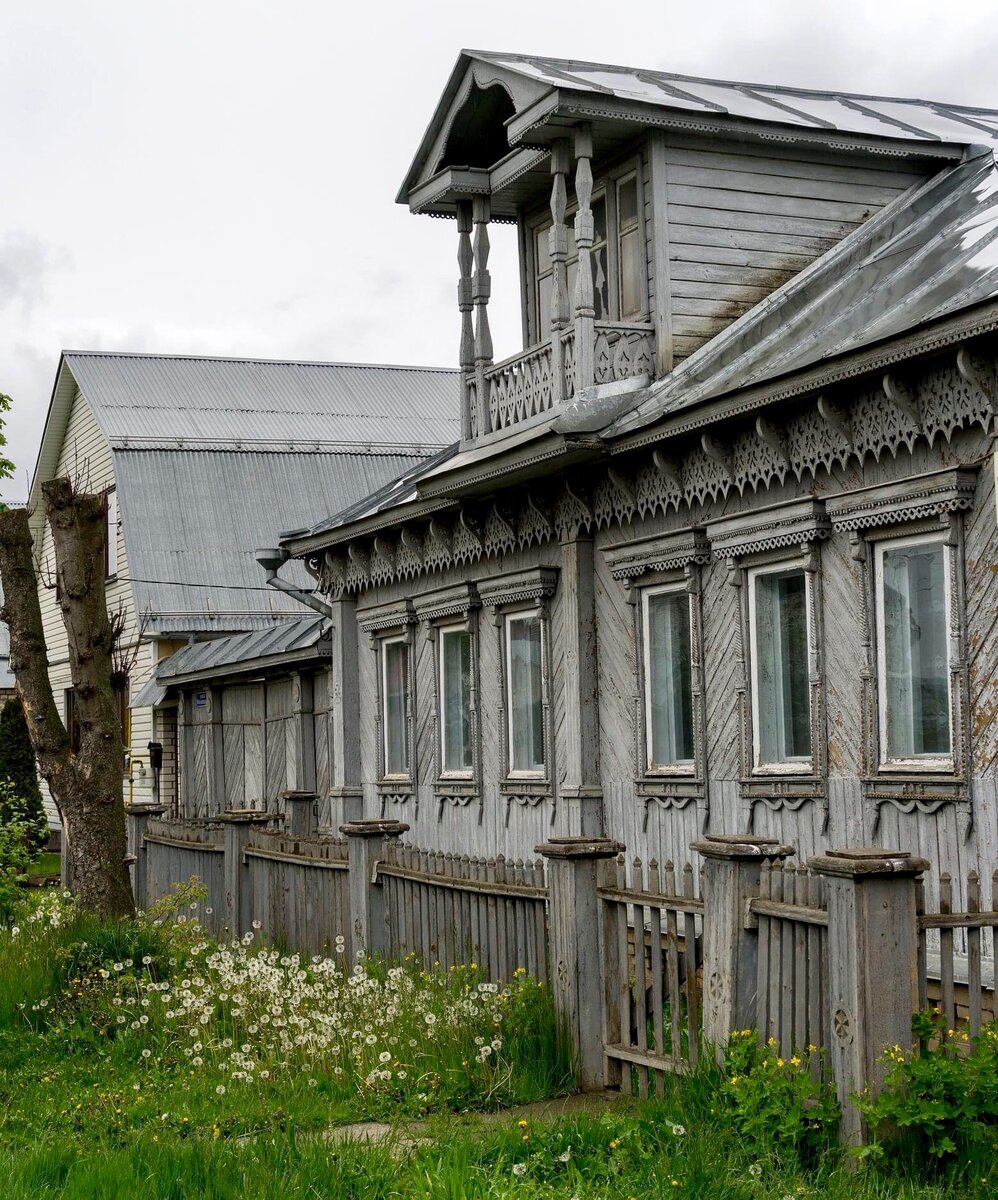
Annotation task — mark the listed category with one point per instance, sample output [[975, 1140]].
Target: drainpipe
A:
[[272, 559]]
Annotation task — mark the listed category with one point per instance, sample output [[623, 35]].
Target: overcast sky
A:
[[219, 177]]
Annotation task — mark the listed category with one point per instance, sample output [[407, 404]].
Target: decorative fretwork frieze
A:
[[384, 617], [881, 417], [798, 523], [666, 552], [911, 499], [446, 602]]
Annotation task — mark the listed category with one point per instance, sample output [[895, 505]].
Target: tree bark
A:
[[85, 785]]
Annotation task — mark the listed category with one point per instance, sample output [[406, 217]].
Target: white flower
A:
[[384, 1056], [146, 1053], [755, 1170], [519, 1169], [565, 1155], [678, 1130], [220, 1090]]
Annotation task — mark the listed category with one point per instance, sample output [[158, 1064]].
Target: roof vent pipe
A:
[[272, 559]]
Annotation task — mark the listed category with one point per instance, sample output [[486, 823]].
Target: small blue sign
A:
[[200, 699]]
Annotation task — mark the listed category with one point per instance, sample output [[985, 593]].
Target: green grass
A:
[[84, 1115], [46, 863]]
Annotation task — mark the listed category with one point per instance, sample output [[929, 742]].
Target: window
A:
[[111, 535], [456, 750], [617, 258], [525, 693], [912, 598], [668, 679], [395, 705], [779, 616]]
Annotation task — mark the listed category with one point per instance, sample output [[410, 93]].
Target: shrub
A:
[[780, 1106], [14, 860], [939, 1103], [22, 799]]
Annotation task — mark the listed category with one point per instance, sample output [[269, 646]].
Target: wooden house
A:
[[199, 458], [716, 552]]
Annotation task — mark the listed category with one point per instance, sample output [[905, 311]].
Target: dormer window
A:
[[618, 256]]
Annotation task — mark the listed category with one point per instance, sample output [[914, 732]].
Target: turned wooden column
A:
[[346, 793], [481, 288], [585, 312], [558, 250], [465, 304]]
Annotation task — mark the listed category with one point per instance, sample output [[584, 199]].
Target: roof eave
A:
[[267, 662]]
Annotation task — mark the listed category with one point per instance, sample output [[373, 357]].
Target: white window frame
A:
[[802, 764], [928, 763], [683, 767], [465, 773], [111, 563], [508, 617], [384, 643]]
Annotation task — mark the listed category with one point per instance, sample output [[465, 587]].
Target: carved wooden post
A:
[[365, 849], [585, 313], [872, 966], [581, 789], [301, 814], [577, 967], [465, 304], [346, 794], [137, 822], [730, 949], [558, 250], [301, 772], [481, 288], [238, 902]]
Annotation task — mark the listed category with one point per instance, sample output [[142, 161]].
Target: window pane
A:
[[541, 247], [670, 693], [627, 201], [632, 265], [396, 708], [781, 669], [916, 654], [601, 287], [526, 713], [599, 219], [455, 692]]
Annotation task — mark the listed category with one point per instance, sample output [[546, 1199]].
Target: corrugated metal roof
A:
[[142, 399], [930, 254], [193, 520], [881, 116], [201, 658]]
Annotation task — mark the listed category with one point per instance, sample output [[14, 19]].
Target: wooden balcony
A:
[[521, 389]]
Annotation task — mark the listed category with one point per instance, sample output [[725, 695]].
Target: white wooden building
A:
[[199, 459]]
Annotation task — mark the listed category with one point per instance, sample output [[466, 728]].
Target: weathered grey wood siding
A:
[[743, 220]]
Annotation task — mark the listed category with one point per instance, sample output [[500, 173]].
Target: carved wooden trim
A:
[[663, 552], [456, 600], [798, 523], [395, 615], [912, 499], [518, 587]]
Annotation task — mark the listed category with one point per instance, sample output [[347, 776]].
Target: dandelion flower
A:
[[519, 1170], [220, 1090]]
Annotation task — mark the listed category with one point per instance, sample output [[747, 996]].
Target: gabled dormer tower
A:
[[653, 210]]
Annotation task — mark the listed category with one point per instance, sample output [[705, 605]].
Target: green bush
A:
[[22, 799], [784, 1107], [14, 860], [939, 1103]]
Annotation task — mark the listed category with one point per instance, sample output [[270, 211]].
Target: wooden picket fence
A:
[[177, 851], [456, 909], [654, 921]]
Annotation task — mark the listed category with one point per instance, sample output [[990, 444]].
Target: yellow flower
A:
[[795, 1061], [614, 1144], [675, 1183], [216, 1132], [155, 1137], [522, 1124]]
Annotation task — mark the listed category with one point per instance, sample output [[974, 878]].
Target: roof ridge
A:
[[785, 89], [274, 362]]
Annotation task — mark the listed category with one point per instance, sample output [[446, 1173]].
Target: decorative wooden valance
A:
[[395, 615], [446, 602], [798, 523], [518, 587], [913, 499], [663, 552]]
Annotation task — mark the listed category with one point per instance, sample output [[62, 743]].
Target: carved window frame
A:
[[933, 504], [782, 537], [674, 562], [454, 608], [511, 596], [393, 623]]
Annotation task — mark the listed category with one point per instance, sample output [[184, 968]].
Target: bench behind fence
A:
[[654, 922]]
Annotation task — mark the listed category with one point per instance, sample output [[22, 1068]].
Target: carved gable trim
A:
[[795, 524], [665, 552], [395, 615], [446, 602], [518, 587], [912, 499]]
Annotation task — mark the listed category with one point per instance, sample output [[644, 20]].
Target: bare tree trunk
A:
[[86, 785]]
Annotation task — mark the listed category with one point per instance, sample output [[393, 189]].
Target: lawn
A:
[[46, 863], [145, 1057]]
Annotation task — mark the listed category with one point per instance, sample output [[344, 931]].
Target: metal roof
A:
[[144, 399], [881, 116], [245, 650], [193, 519], [930, 254]]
